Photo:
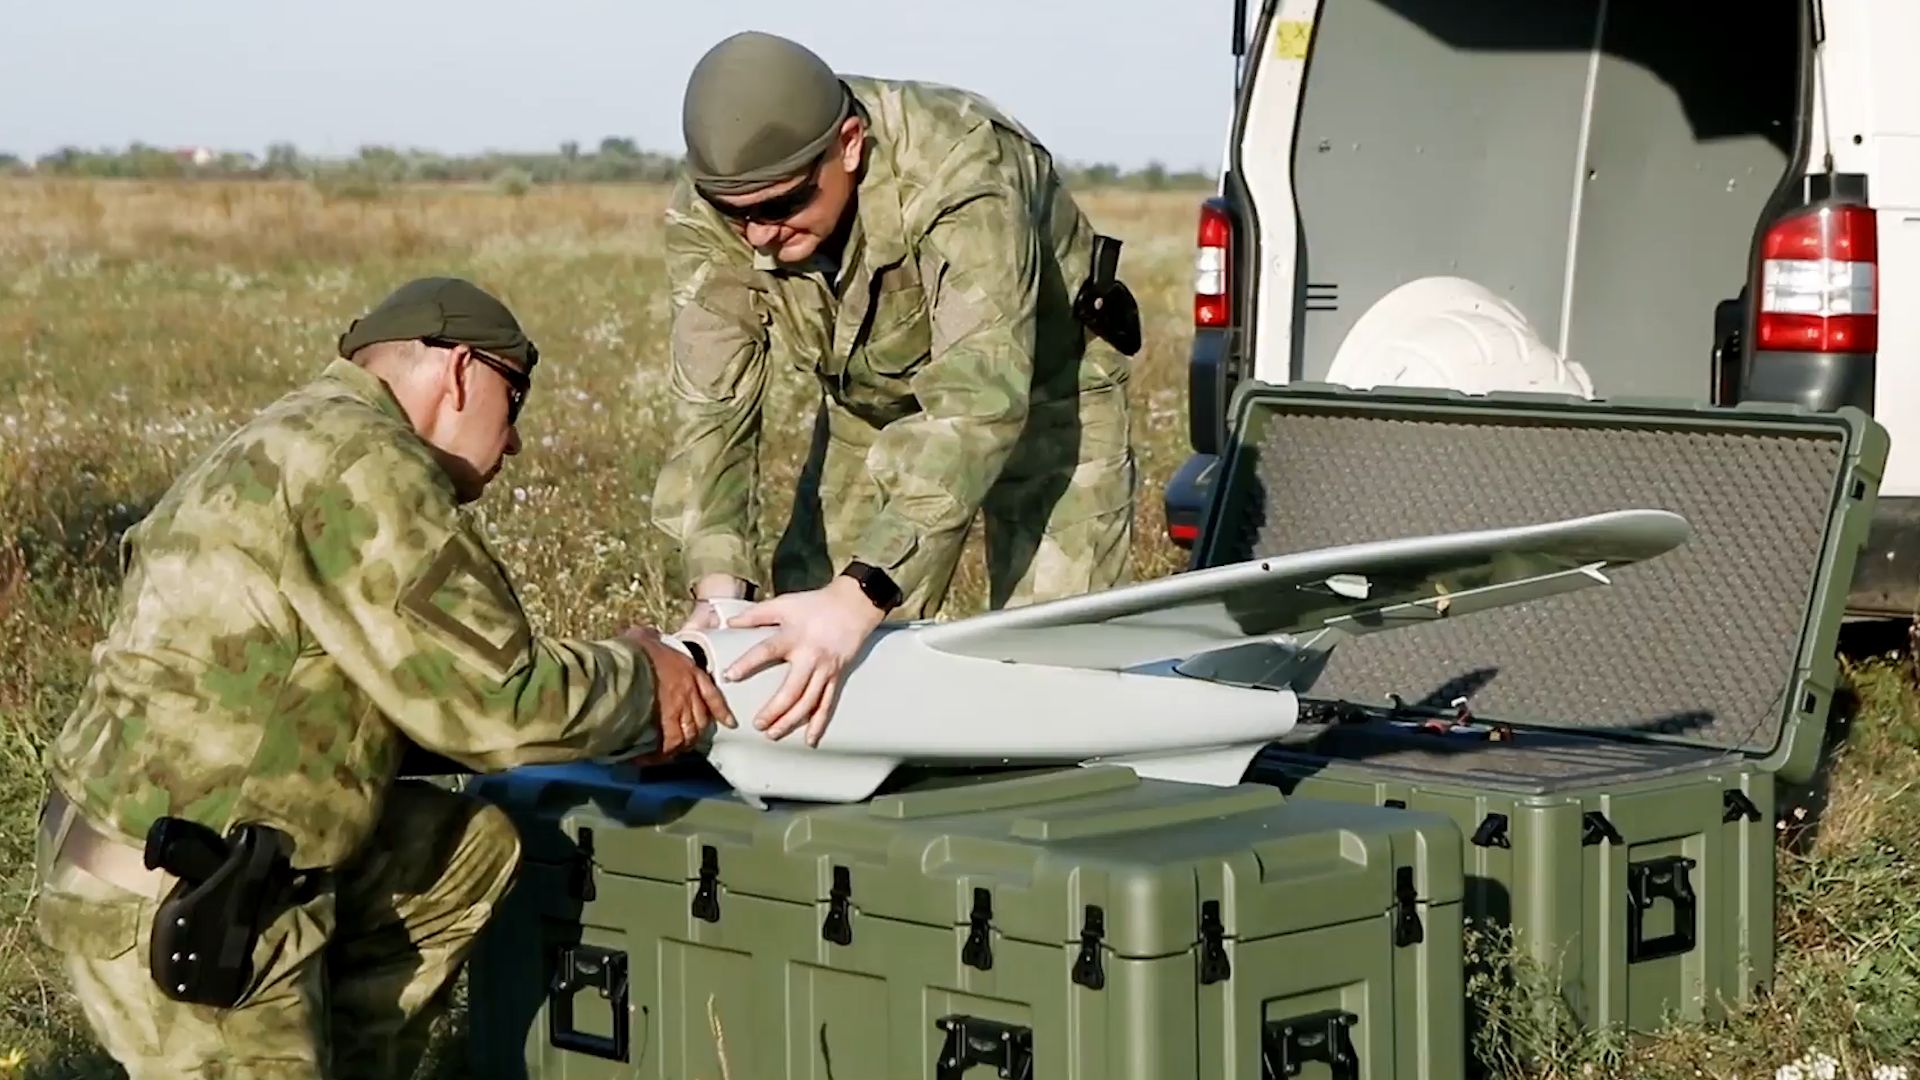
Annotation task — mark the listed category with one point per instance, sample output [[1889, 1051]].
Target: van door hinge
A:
[[706, 899], [839, 926], [1214, 965], [1595, 827], [1088, 970], [1492, 832], [581, 884], [1738, 806], [978, 951], [1286, 1045], [972, 1041], [1407, 929]]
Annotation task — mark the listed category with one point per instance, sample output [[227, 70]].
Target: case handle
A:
[[973, 1041], [1286, 1045], [579, 967], [1667, 879]]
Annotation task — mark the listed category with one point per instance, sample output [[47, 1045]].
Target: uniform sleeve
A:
[[980, 266], [706, 496], [395, 586]]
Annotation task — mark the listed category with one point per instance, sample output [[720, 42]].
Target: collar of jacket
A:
[[880, 229], [366, 386]]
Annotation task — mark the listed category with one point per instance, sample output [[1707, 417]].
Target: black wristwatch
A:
[[874, 582]]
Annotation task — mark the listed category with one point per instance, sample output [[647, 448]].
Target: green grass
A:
[[1847, 987], [141, 321]]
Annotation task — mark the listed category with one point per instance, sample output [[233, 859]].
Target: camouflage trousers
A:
[[345, 985], [1058, 522]]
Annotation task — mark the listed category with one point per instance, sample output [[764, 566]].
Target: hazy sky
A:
[[1098, 80]]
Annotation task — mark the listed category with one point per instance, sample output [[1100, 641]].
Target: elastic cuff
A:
[[717, 555]]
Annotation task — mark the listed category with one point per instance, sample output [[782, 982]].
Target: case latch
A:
[[1738, 806], [581, 879], [706, 899], [1492, 832], [1407, 928], [972, 1041], [838, 927], [1286, 1045], [978, 951], [1087, 969], [578, 967], [1594, 827], [1667, 879], [1214, 965]]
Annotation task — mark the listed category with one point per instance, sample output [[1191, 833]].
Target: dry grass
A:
[[141, 321]]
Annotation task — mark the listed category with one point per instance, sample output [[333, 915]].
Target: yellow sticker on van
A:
[[1290, 38]]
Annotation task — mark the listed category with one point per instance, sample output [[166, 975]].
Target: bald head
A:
[[391, 358]]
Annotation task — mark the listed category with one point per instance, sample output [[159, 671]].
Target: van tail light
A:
[[1819, 282], [1212, 302]]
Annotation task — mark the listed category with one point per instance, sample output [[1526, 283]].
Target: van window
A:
[[1606, 178]]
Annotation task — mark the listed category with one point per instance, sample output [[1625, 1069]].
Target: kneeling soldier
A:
[[234, 878]]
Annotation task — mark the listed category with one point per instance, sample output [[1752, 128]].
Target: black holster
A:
[[1105, 305], [229, 890]]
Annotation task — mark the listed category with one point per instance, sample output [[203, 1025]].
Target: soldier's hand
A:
[[690, 703], [821, 631], [704, 615]]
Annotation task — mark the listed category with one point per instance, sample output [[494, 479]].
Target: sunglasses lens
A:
[[775, 210], [785, 206]]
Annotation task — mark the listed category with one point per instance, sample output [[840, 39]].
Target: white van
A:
[[1716, 200]]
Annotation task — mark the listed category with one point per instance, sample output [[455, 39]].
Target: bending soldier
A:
[[913, 249], [304, 603]]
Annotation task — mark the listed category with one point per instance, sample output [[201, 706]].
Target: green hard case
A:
[[1055, 923], [1624, 832]]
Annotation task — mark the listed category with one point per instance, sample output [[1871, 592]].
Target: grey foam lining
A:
[[1535, 762], [1729, 606]]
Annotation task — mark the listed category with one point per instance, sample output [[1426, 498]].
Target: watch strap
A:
[[876, 583]]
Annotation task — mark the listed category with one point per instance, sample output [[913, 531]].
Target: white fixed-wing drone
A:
[[1184, 677]]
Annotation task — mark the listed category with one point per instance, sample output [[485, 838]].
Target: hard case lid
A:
[[1726, 643], [1046, 844]]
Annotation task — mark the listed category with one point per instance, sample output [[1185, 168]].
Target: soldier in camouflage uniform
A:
[[304, 604], [911, 248]]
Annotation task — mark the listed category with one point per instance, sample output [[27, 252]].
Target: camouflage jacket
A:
[[947, 322], [301, 600]]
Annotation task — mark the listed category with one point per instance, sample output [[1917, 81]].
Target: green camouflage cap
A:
[[759, 109], [449, 309]]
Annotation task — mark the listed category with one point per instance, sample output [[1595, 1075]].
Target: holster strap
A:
[[78, 842]]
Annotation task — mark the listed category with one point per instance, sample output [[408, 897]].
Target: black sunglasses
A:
[[779, 208], [518, 382]]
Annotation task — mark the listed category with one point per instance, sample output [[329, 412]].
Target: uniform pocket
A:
[[98, 927], [901, 335], [1089, 490], [716, 339], [288, 956]]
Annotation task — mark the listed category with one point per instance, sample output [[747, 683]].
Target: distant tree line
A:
[[615, 160]]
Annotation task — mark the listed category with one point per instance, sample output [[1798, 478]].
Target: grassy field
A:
[[139, 322]]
